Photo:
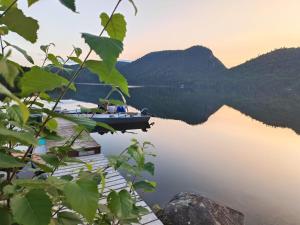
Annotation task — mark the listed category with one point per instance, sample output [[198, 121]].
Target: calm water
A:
[[231, 158], [220, 146]]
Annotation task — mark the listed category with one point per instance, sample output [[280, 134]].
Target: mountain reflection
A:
[[195, 106]]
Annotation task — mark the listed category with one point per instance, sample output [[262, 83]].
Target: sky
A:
[[235, 30]]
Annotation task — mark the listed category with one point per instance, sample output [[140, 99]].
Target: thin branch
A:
[[60, 69], [57, 211], [68, 58], [75, 75], [2, 47], [8, 8]]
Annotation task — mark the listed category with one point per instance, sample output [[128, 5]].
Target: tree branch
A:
[[75, 75], [8, 8]]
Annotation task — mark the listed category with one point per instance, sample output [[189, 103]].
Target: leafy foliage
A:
[[32, 209], [112, 77], [7, 161], [39, 80], [116, 27], [24, 118], [21, 136], [83, 197], [120, 204], [107, 48], [68, 218], [69, 4], [8, 70], [22, 51], [31, 2], [17, 22]]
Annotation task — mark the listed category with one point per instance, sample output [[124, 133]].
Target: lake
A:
[[207, 144]]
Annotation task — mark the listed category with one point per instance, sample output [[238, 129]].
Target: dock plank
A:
[[85, 142], [115, 181]]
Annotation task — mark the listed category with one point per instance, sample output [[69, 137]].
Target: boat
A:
[[120, 121], [117, 117]]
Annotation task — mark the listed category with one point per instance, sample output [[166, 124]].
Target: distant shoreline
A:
[[130, 86]]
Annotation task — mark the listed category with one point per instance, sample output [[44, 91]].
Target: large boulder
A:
[[193, 209]]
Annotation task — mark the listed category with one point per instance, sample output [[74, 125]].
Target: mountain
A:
[[267, 88], [276, 72], [173, 67]]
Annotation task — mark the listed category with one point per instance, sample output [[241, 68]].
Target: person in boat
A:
[[103, 106], [109, 108]]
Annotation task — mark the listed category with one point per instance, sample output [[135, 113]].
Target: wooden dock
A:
[[114, 180], [84, 145]]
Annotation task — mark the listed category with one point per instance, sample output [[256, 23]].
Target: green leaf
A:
[[69, 4], [7, 3], [116, 27], [25, 112], [15, 114], [54, 60], [28, 57], [43, 167], [16, 21], [21, 136], [136, 153], [58, 183], [107, 48], [67, 177], [149, 167], [120, 204], [75, 59], [9, 190], [68, 218], [82, 121], [134, 6], [140, 210], [9, 71], [51, 160], [24, 109], [52, 125], [45, 96], [7, 161], [83, 197], [77, 51], [112, 77], [31, 2], [5, 215], [45, 48], [3, 30], [22, 51], [147, 186], [39, 80], [31, 184], [34, 208]]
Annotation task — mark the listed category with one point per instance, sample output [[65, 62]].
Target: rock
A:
[[193, 209]]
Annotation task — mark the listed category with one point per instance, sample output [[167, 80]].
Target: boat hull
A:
[[120, 122]]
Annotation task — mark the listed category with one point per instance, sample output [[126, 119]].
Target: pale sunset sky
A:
[[235, 30]]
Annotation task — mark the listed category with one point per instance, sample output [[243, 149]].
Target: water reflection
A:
[[207, 144], [231, 158], [195, 106]]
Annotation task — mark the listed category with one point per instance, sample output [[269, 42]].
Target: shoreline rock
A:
[[193, 209]]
